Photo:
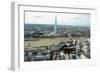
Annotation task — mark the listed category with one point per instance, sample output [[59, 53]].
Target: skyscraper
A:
[[55, 26]]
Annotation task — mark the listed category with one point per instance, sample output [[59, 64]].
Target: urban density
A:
[[45, 42]]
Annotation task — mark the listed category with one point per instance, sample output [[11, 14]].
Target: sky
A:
[[62, 18]]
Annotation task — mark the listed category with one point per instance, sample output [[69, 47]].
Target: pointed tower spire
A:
[[55, 26]]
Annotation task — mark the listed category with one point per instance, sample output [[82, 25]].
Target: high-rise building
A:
[[55, 26]]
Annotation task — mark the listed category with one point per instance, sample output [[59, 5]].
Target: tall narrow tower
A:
[[55, 26]]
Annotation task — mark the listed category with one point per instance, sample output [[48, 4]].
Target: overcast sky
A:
[[62, 18]]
